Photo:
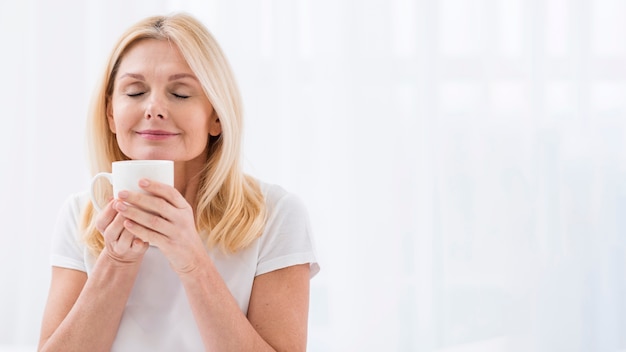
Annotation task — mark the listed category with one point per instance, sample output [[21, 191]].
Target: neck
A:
[[187, 177]]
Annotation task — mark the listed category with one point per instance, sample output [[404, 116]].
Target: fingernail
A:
[[120, 206], [123, 194], [144, 183]]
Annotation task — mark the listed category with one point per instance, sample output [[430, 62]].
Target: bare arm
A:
[[277, 314], [80, 318], [65, 287], [279, 307], [83, 313]]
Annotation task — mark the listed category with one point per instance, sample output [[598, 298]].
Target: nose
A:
[[155, 108]]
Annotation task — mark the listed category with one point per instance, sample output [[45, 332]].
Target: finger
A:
[[138, 245], [145, 218], [145, 234], [125, 240], [114, 229], [105, 216], [162, 190], [149, 203]]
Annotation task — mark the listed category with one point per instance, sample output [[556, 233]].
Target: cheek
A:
[[121, 125], [201, 136], [120, 129], [200, 133], [123, 117]]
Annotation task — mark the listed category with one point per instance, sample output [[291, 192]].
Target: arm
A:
[[277, 314], [83, 313], [279, 307], [65, 287], [79, 318]]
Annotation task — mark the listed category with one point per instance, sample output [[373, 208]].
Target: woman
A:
[[229, 258]]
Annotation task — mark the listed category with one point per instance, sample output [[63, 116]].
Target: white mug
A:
[[126, 174]]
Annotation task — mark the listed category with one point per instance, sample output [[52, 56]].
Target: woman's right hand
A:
[[119, 244]]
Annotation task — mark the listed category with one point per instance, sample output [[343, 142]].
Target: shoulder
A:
[[68, 221], [279, 201], [73, 205], [67, 245], [287, 239]]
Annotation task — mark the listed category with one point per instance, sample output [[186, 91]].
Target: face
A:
[[158, 109]]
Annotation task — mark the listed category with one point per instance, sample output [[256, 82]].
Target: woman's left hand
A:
[[164, 219]]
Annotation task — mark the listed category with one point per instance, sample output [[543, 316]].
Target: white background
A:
[[463, 161]]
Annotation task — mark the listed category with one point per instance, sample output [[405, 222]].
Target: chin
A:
[[151, 156], [166, 154]]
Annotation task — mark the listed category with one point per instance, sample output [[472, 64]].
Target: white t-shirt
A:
[[157, 316]]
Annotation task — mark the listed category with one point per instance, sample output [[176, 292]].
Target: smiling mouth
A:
[[156, 135]]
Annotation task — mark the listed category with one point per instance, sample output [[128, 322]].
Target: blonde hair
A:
[[230, 211]]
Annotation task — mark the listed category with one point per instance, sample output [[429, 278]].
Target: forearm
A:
[[93, 321], [220, 321]]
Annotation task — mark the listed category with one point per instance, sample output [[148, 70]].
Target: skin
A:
[[155, 90]]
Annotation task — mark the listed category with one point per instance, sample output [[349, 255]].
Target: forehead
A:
[[151, 54]]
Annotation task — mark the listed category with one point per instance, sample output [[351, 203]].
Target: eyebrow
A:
[[173, 77], [133, 75], [180, 76]]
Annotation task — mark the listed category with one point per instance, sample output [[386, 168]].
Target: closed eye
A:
[[135, 94], [180, 96]]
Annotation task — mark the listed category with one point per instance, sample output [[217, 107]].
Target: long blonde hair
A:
[[230, 211]]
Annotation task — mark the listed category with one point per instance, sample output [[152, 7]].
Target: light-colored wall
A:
[[462, 161]]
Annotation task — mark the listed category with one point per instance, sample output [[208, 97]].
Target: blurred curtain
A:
[[462, 160]]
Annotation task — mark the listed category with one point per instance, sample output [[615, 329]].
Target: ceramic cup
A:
[[126, 174]]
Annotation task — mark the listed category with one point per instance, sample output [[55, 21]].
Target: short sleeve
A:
[[67, 248], [287, 239]]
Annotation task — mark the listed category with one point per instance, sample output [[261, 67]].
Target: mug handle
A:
[[94, 201]]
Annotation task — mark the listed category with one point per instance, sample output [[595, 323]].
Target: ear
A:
[[215, 128], [109, 114]]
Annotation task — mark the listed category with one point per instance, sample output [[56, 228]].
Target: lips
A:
[[156, 134]]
